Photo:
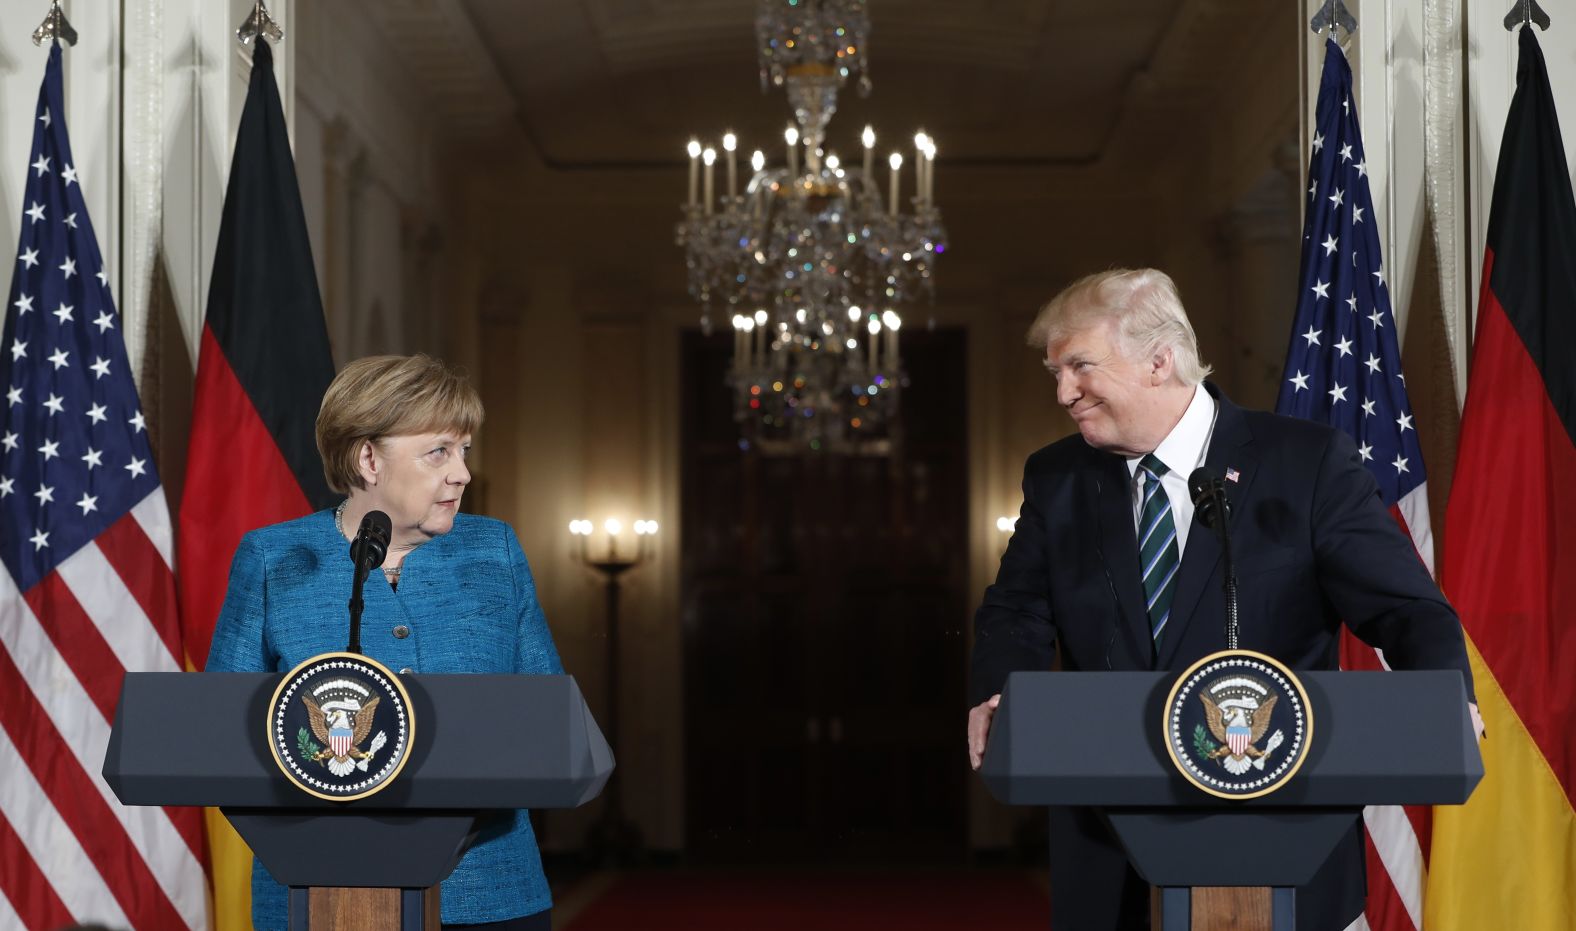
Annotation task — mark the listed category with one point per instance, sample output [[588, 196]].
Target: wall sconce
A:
[[615, 555]]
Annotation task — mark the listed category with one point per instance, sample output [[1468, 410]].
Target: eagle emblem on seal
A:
[[1238, 715], [343, 723]]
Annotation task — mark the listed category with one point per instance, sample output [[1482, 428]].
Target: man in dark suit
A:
[[1107, 569]]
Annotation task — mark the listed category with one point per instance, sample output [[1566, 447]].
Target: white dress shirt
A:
[[1182, 451]]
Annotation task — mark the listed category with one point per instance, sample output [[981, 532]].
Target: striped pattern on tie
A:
[[1157, 547]]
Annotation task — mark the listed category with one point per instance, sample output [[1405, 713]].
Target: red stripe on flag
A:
[[24, 884], [231, 448], [60, 774], [78, 641], [136, 560], [1385, 910]]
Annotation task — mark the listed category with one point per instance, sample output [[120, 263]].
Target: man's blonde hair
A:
[[381, 396], [1144, 305]]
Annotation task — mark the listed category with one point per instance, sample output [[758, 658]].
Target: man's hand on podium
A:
[[979, 728], [1472, 709]]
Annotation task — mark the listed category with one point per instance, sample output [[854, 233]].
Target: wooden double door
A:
[[824, 611]]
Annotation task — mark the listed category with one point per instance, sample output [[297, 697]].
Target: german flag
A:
[[261, 373], [1507, 859]]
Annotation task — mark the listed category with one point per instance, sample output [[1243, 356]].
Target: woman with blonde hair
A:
[[458, 597]]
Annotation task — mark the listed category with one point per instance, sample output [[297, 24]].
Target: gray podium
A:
[[482, 743], [1380, 738]]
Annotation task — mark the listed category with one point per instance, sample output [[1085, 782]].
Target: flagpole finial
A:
[[1333, 15], [1524, 13], [55, 26], [259, 23]]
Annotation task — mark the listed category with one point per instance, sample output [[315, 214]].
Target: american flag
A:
[[86, 592], [1343, 367]]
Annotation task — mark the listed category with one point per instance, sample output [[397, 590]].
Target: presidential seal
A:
[[340, 726], [1238, 724]]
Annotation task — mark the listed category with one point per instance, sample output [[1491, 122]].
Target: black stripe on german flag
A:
[[1532, 232]]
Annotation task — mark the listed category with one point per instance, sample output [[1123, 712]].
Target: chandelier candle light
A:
[[811, 266]]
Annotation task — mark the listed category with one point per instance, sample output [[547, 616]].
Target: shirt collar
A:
[[1183, 449]]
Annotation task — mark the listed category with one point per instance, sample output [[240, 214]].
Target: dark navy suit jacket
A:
[[1313, 547]]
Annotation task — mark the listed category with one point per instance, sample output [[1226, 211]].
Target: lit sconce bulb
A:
[[921, 141], [730, 141], [833, 162], [874, 326], [869, 137], [1005, 524], [760, 316], [748, 324], [580, 528], [694, 148], [895, 160], [892, 320], [758, 160], [799, 315], [930, 151], [709, 156], [791, 135], [613, 526], [854, 312], [852, 343], [826, 327], [738, 321], [645, 528]]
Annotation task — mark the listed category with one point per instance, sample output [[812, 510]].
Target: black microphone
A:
[[367, 552], [1212, 508], [1206, 489], [372, 541]]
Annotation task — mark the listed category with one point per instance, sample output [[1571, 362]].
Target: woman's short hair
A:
[[381, 396], [1144, 305]]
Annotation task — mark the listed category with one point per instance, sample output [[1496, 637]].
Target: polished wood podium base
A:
[[326, 908], [1217, 908]]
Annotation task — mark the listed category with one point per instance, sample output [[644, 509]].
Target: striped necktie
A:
[[1157, 547]]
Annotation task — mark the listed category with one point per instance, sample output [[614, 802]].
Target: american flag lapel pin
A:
[[1232, 475]]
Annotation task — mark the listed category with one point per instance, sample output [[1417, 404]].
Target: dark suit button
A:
[[401, 632], [406, 671]]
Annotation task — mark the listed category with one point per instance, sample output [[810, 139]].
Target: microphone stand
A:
[[356, 604], [1218, 493]]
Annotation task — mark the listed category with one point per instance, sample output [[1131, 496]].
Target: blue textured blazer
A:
[[469, 604]]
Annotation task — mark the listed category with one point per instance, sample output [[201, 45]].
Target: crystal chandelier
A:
[[813, 262]]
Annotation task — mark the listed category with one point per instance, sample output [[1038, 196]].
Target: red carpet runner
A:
[[914, 901]]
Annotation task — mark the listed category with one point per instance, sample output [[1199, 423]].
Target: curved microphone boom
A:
[[1212, 508], [367, 552]]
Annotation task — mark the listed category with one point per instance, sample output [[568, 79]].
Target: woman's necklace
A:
[[389, 572]]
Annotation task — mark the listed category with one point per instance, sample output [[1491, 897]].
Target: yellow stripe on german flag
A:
[[1507, 858]]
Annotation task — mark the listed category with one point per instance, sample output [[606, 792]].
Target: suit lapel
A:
[[1119, 548], [1228, 449]]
